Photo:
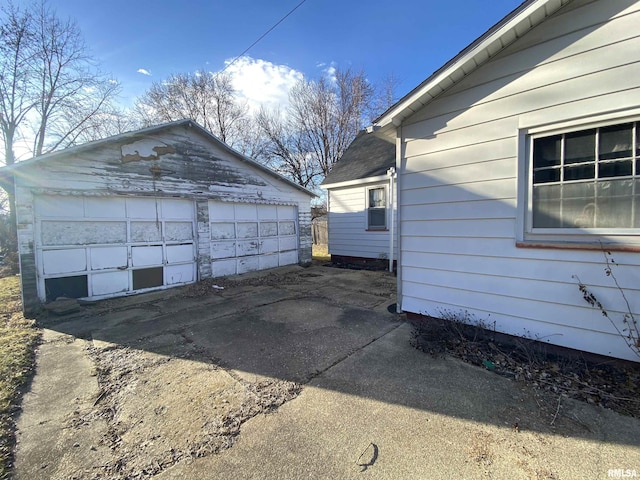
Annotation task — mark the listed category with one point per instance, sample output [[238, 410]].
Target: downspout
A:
[[391, 173], [399, 154]]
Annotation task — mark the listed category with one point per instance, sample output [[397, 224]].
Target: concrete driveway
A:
[[292, 373]]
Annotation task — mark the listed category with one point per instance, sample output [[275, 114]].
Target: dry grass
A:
[[320, 253], [18, 338]]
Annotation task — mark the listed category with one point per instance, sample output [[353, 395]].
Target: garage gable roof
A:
[[6, 171], [528, 15], [367, 156]]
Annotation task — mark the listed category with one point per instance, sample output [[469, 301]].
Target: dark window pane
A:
[[615, 142], [615, 169], [377, 217], [70, 287], [147, 278], [580, 172], [546, 176], [546, 151], [580, 146]]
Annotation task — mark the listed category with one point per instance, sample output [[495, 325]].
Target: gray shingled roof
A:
[[367, 156]]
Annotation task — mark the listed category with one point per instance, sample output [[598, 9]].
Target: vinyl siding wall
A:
[[459, 195], [348, 233]]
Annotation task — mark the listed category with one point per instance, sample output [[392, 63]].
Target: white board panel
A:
[[248, 264], [146, 232], [109, 283], [221, 230], [150, 208], [288, 243], [286, 212], [56, 206], [288, 258], [247, 229], [221, 211], [179, 253], [247, 247], [268, 261], [146, 256], [82, 233], [223, 249], [269, 245], [268, 229], [178, 231], [64, 261], [287, 228], [221, 268], [104, 207], [245, 211], [174, 274], [177, 209], [267, 212], [108, 257]]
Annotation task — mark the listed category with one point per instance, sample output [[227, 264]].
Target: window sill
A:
[[377, 230], [579, 246]]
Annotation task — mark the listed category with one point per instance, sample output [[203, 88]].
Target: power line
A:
[[262, 36]]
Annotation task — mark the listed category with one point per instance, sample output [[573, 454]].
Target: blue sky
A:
[[407, 38]]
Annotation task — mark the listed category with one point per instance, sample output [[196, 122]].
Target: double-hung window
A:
[[586, 179], [377, 208]]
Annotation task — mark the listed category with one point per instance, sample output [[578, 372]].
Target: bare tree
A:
[[203, 96], [70, 90], [17, 55], [285, 148], [50, 89], [323, 117]]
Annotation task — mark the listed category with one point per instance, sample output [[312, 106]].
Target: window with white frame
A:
[[586, 179], [377, 208]]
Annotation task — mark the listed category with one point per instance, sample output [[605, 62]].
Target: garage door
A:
[[248, 237], [98, 247]]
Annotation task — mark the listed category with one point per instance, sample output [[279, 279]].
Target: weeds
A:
[[18, 338], [629, 330]]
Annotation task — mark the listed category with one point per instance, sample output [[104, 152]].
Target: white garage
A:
[[95, 247], [151, 209], [247, 237]]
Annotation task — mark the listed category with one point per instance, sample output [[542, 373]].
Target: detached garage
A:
[[159, 207]]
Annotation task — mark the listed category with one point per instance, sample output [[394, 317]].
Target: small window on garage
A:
[[69, 287], [377, 208], [148, 278]]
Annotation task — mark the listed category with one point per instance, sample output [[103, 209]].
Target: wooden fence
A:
[[319, 232]]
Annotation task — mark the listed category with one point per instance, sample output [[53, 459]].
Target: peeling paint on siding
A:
[[145, 150]]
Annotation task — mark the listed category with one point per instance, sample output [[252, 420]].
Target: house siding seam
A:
[[459, 183]]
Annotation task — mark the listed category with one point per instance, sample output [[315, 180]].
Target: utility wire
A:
[[261, 37]]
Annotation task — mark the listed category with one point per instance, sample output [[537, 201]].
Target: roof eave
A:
[[528, 15]]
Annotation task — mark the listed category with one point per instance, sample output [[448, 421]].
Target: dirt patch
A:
[[604, 382], [161, 409]]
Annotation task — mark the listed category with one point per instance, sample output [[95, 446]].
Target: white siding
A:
[[459, 188], [348, 235]]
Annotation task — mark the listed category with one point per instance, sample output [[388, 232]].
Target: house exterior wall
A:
[[464, 175], [347, 224], [176, 163]]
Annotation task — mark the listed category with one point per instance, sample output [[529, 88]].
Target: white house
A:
[[518, 166], [151, 209], [361, 202]]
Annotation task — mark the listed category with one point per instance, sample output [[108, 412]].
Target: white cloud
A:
[[261, 82], [144, 71]]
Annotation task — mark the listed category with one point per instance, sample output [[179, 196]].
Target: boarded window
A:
[[70, 287], [148, 278]]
